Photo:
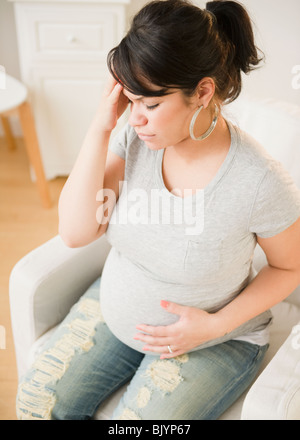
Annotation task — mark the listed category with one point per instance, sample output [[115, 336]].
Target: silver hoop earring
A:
[[211, 128]]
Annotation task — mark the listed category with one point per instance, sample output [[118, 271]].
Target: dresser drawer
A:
[[53, 37], [68, 32]]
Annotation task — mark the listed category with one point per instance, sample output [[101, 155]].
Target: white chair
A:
[[13, 100], [50, 279]]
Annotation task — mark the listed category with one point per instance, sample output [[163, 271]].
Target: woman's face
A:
[[161, 121]]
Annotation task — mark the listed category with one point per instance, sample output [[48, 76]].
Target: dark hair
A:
[[174, 44]]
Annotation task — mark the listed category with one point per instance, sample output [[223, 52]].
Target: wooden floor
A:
[[24, 225]]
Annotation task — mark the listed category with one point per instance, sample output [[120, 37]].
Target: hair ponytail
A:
[[234, 24], [174, 44]]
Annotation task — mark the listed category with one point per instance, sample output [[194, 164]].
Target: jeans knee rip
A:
[[165, 374], [35, 397], [143, 397]]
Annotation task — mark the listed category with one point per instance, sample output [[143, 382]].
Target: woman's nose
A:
[[136, 118]]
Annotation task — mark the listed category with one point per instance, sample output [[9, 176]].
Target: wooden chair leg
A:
[[33, 151], [8, 133]]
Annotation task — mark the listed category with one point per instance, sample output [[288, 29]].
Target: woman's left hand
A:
[[194, 327]]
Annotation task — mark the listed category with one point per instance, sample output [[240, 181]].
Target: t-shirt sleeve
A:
[[118, 144], [277, 203]]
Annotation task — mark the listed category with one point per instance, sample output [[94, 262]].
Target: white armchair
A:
[[49, 280]]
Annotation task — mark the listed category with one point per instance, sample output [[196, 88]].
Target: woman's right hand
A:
[[112, 105]]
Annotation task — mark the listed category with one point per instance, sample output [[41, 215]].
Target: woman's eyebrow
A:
[[136, 98], [139, 98]]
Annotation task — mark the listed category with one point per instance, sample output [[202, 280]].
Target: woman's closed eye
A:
[[148, 106], [152, 107]]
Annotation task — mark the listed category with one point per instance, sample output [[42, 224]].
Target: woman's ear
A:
[[205, 91]]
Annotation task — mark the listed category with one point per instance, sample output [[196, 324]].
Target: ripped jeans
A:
[[83, 363]]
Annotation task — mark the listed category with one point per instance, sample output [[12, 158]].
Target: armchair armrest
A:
[[275, 395], [45, 284]]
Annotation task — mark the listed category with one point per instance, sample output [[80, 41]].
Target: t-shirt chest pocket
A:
[[202, 258]]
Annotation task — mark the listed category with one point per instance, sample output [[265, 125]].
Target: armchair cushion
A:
[[285, 316], [276, 393]]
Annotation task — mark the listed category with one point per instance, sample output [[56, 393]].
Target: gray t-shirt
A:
[[197, 250]]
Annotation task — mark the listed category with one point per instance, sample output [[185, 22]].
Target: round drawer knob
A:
[[71, 39]]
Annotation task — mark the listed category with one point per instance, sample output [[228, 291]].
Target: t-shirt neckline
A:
[[217, 177]]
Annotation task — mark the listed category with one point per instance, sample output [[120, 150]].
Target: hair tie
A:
[[212, 15]]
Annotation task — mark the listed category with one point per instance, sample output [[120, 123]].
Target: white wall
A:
[[278, 35], [8, 39], [9, 51]]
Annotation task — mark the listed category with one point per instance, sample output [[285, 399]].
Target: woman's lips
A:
[[145, 137]]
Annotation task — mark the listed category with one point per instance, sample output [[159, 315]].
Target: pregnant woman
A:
[[183, 196]]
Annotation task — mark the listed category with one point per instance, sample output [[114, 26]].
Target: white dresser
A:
[[63, 47]]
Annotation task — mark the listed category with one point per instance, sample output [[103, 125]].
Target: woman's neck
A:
[[217, 143]]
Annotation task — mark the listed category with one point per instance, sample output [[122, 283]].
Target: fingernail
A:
[[164, 303]]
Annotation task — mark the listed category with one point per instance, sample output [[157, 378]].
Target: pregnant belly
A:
[[129, 297]]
